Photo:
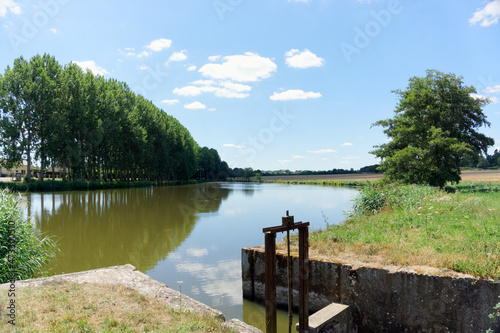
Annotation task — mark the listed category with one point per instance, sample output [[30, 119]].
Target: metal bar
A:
[[290, 286], [281, 228], [303, 279], [270, 277]]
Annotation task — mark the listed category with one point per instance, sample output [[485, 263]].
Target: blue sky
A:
[[275, 84]]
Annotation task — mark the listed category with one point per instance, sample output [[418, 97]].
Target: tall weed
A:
[[23, 251], [375, 197]]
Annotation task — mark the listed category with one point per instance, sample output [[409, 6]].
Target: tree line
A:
[[93, 128]]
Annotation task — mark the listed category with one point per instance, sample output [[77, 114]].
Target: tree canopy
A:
[[95, 128], [435, 127]]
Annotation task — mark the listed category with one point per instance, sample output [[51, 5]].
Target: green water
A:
[[188, 237]]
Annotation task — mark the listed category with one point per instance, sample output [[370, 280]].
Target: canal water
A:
[[188, 237]]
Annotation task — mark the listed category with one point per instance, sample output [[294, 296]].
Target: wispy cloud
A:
[[234, 146], [346, 144], [304, 59], [322, 151], [492, 90], [492, 99], [225, 89], [6, 5], [298, 157], [191, 68], [170, 101], [294, 94], [487, 16]]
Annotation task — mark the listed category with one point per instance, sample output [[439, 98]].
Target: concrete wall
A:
[[383, 300]]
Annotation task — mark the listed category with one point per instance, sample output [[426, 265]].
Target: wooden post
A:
[[270, 276]]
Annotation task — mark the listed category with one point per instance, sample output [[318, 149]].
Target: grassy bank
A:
[[418, 225], [73, 307], [57, 185], [320, 182]]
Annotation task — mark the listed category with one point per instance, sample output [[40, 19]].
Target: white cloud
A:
[[159, 44], [195, 106], [492, 99], [191, 68], [53, 30], [346, 144], [90, 65], [142, 67], [212, 109], [225, 89], [188, 91], [178, 56], [322, 151], [11, 5], [214, 58], [248, 67], [234, 146], [294, 94], [492, 90], [304, 59], [196, 252], [298, 156], [284, 161], [489, 15], [170, 101]]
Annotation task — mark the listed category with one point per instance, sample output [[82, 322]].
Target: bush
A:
[[373, 198], [23, 251]]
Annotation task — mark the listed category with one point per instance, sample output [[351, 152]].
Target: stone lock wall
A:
[[382, 299]]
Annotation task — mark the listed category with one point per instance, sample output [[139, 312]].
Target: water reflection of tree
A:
[[114, 227]]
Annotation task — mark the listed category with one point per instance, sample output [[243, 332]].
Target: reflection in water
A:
[[97, 229], [191, 233], [255, 314]]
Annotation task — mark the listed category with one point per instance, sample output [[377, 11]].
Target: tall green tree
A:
[[436, 126]]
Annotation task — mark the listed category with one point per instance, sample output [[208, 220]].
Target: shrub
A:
[[23, 251], [373, 198]]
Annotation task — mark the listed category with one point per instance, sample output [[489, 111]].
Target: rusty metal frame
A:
[[270, 272]]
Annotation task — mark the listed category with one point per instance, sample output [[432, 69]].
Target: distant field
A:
[[469, 175]]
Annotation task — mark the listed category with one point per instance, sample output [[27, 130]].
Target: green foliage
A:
[[373, 198], [248, 173], [258, 177], [23, 251], [94, 128], [494, 317], [433, 130]]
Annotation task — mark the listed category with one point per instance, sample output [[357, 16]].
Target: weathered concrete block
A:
[[387, 299]]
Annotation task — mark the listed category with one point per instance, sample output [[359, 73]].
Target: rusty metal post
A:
[[303, 279], [270, 277]]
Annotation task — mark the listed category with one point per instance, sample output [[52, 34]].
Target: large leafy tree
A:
[[435, 127]]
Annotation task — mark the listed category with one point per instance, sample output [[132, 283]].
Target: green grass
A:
[[418, 225], [73, 307], [321, 182]]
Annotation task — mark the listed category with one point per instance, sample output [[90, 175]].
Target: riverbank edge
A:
[[128, 276], [59, 186]]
